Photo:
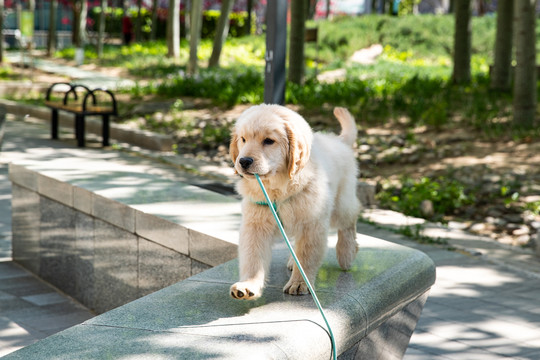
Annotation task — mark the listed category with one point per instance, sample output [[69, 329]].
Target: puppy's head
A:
[[270, 139]]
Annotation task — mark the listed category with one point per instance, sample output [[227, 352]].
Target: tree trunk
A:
[[101, 29], [462, 42], [154, 20], [195, 34], [138, 22], [526, 73], [296, 41], [249, 18], [80, 9], [51, 35], [221, 32], [502, 62], [173, 30], [1, 31], [327, 15]]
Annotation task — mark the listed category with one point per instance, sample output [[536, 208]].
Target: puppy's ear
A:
[[233, 147], [298, 151]]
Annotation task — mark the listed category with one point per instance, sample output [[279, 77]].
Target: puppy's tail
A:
[[348, 125]]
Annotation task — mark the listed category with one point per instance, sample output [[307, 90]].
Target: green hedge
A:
[[113, 22]]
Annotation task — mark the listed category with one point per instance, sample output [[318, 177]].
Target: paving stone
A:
[[45, 299]]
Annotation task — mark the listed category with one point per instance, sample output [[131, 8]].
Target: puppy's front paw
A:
[[295, 287], [246, 290]]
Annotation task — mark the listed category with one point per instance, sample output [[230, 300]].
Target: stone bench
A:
[[112, 236], [372, 309]]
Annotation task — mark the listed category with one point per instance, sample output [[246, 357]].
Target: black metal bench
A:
[[81, 101]]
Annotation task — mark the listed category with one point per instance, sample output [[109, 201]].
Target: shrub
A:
[[446, 195], [226, 86]]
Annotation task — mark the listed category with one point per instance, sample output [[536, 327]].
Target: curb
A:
[[121, 133]]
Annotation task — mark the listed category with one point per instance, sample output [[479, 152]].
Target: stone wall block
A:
[[160, 267], [162, 231], [115, 266], [25, 227], [209, 250]]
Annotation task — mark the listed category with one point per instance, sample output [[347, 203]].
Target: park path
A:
[[89, 78]]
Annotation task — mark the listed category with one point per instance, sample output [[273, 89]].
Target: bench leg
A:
[[79, 130], [105, 130], [54, 124]]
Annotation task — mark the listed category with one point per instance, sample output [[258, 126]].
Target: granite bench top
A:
[[197, 319]]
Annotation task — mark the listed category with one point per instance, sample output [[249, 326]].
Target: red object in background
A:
[[127, 29]]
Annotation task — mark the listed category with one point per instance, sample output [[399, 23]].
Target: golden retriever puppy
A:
[[310, 178]]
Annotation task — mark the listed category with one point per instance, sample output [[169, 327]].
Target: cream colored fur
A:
[[311, 178]]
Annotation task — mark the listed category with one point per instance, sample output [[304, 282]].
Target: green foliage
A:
[[533, 207], [427, 36], [410, 81], [226, 86], [446, 195], [237, 23], [6, 72], [406, 6], [113, 22]]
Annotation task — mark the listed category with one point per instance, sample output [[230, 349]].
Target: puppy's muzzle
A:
[[246, 162]]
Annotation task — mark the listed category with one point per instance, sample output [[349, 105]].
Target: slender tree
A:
[[173, 29], [221, 32], [1, 31], [296, 41], [249, 13], [526, 73], [80, 9], [154, 19], [195, 34], [101, 29], [502, 62], [462, 42], [51, 34], [138, 22]]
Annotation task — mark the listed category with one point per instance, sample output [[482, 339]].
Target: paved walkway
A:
[[481, 307], [92, 79]]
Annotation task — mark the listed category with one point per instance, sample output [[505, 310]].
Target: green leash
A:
[[272, 205]]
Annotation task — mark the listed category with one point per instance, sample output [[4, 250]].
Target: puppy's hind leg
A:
[[346, 247], [344, 219]]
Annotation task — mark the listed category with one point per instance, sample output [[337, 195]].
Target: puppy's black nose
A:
[[246, 162]]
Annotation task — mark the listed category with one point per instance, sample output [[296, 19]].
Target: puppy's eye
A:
[[243, 140], [268, 141]]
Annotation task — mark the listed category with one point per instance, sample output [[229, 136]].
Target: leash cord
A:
[[271, 205]]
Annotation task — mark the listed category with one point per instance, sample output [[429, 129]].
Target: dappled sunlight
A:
[[12, 336], [465, 280]]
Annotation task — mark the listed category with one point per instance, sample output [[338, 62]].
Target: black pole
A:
[[276, 44]]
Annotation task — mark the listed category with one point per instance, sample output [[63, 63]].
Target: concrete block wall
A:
[[101, 251]]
